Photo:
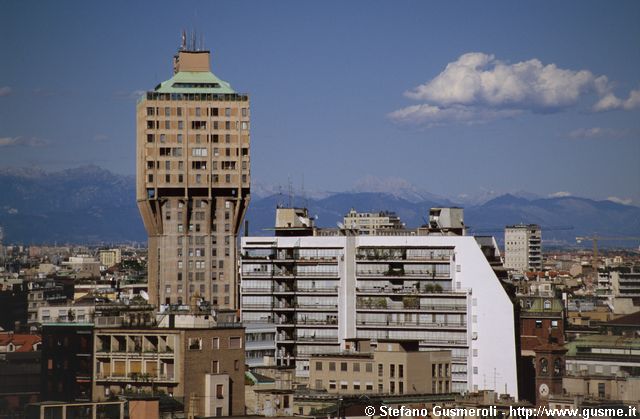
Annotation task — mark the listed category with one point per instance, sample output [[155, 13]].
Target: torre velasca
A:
[[193, 177]]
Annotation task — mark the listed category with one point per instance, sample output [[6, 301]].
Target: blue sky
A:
[[452, 97]]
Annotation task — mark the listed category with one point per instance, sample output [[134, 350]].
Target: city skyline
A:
[[365, 85]]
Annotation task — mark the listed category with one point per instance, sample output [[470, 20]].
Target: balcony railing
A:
[[316, 339], [410, 274], [134, 377], [401, 290], [268, 290], [409, 306], [256, 273], [257, 306], [317, 273], [400, 257], [413, 324], [444, 341], [316, 306], [318, 289], [271, 290]]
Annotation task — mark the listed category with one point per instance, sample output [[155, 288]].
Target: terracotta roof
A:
[[23, 342]]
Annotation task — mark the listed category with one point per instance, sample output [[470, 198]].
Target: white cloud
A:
[[22, 142], [478, 87], [623, 201], [435, 115], [5, 91], [610, 102], [479, 79], [560, 194], [598, 132]]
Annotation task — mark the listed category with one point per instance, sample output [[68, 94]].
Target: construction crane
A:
[[594, 239]]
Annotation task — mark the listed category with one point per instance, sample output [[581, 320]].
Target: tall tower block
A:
[[193, 178]]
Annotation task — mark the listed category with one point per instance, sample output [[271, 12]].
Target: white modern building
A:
[[322, 290], [522, 247]]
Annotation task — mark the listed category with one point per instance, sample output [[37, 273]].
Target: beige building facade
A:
[[110, 257], [388, 367], [370, 223], [193, 180]]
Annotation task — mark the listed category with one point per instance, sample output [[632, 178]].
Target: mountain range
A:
[[93, 205]]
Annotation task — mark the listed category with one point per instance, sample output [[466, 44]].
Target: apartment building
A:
[[193, 180], [200, 367], [19, 371], [191, 357], [190, 354], [47, 292], [59, 410], [606, 367], [320, 291], [523, 251], [67, 368], [269, 391], [83, 266], [260, 345], [625, 281], [110, 257], [370, 223], [386, 367]]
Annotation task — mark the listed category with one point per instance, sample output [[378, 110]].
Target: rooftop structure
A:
[[447, 221]]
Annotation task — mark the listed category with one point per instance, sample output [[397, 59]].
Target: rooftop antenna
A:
[[304, 195], [183, 41], [290, 192]]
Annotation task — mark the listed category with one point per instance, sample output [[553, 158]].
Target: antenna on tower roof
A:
[[290, 193], [183, 41], [305, 199]]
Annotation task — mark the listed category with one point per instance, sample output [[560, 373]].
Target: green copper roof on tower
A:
[[194, 82]]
